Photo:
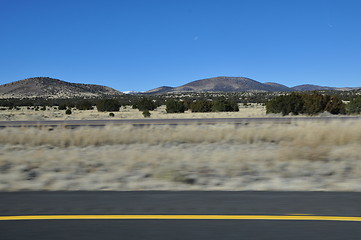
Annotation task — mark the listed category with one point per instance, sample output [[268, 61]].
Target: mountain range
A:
[[237, 84], [54, 88]]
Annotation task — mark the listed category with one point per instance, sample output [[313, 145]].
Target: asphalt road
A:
[[262, 215], [149, 121]]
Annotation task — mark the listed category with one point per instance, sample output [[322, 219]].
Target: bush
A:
[[111, 114], [146, 114], [201, 106], [145, 104], [315, 103], [223, 105], [173, 106], [354, 107], [108, 105], [84, 105], [62, 106], [335, 106], [310, 104], [286, 104], [68, 112]]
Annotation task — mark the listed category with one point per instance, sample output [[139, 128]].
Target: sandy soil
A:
[[307, 156]]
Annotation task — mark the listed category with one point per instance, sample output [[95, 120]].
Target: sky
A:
[[138, 45]]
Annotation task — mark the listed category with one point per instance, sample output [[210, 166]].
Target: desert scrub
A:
[[146, 114]]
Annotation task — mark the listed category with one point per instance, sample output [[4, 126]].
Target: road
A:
[[180, 215], [150, 121]]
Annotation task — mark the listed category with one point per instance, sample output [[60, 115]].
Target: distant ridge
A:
[[238, 84], [160, 90], [46, 87], [224, 84], [310, 87]]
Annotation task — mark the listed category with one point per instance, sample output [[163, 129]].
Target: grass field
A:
[[310, 156], [125, 113]]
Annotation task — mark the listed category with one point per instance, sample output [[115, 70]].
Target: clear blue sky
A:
[[140, 45]]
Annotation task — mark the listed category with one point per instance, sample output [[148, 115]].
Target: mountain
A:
[[279, 87], [160, 90], [53, 88], [223, 84], [310, 87]]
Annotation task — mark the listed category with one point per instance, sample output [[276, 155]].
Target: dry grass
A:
[[298, 134], [125, 113], [297, 156]]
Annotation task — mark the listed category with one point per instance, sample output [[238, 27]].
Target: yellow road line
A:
[[182, 217]]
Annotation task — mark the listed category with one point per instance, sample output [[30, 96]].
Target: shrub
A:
[[108, 105], [146, 114], [84, 105], [173, 106], [286, 104], [354, 107], [43, 108], [145, 104], [62, 106], [315, 103], [201, 106], [111, 114], [335, 106], [68, 112], [223, 105], [305, 103]]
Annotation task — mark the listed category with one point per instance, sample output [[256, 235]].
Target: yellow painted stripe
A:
[[182, 217]]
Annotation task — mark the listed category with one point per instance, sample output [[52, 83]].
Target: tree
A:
[[224, 105], [201, 106], [108, 105], [173, 106], [286, 104], [310, 104], [335, 106], [315, 103], [354, 107], [84, 105], [145, 104]]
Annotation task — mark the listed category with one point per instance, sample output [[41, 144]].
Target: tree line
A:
[[312, 104]]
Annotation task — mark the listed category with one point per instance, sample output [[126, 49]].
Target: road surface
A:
[[180, 215], [149, 121]]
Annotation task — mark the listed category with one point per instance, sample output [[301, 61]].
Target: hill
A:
[[46, 87], [160, 90], [239, 84], [310, 87], [223, 84]]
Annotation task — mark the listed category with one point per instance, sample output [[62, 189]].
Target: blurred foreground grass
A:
[[299, 156]]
